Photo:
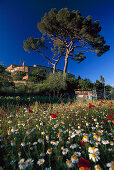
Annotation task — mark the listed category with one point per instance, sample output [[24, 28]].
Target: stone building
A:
[[86, 94], [28, 69]]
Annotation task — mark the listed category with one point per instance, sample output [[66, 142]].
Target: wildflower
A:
[[109, 116], [59, 135], [85, 139], [105, 142], [97, 167], [94, 157], [110, 165], [22, 143], [69, 163], [96, 137], [9, 132], [73, 135], [40, 161], [13, 143], [78, 154], [40, 140], [13, 129], [92, 150], [49, 151], [43, 133], [82, 143], [87, 124], [29, 162], [73, 146], [47, 137], [54, 116], [28, 132], [74, 159], [78, 131], [19, 154], [65, 151], [111, 143], [83, 163], [30, 111], [22, 164], [62, 147], [112, 120], [56, 143], [35, 143]]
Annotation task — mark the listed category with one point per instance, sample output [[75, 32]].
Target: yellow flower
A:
[[49, 151], [81, 168]]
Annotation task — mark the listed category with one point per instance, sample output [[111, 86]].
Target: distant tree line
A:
[[41, 83]]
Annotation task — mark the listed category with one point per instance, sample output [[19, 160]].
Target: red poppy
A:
[[111, 105], [82, 143], [70, 103], [103, 121], [90, 106], [54, 116], [30, 111], [112, 120], [109, 116], [84, 163]]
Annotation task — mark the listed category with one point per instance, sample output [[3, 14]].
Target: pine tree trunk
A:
[[54, 67], [66, 65]]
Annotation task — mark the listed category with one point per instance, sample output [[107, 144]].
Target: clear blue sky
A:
[[18, 21]]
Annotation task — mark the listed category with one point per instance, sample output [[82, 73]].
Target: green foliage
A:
[[18, 75], [71, 85], [33, 44], [5, 80], [55, 82], [85, 84], [76, 34], [37, 75], [98, 86]]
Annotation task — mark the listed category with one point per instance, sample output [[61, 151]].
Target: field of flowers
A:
[[59, 136]]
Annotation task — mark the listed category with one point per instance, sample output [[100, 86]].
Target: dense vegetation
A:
[[48, 84]]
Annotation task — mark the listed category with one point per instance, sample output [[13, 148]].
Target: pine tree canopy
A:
[[73, 31]]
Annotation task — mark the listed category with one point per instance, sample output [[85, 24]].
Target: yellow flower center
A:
[[98, 167], [74, 157], [68, 162], [49, 150], [93, 155], [92, 148], [41, 162]]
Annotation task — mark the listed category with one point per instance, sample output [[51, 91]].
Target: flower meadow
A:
[[76, 135]]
